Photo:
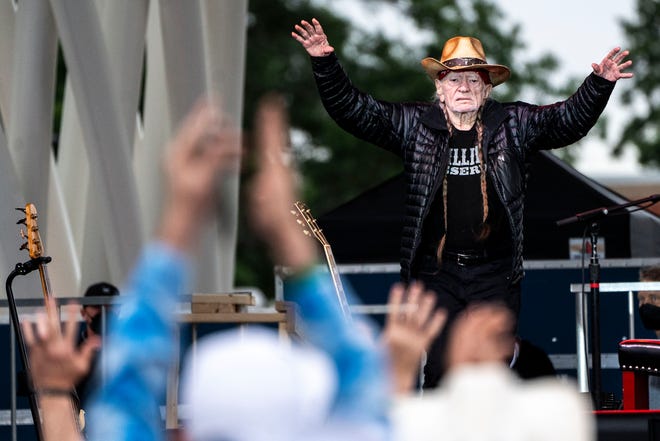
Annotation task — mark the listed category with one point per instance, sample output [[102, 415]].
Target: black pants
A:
[[456, 286]]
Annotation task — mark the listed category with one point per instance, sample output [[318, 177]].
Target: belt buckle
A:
[[462, 259]]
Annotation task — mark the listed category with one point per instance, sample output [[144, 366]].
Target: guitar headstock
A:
[[33, 244], [308, 223]]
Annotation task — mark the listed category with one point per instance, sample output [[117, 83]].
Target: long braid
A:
[[450, 126], [485, 228], [443, 239]]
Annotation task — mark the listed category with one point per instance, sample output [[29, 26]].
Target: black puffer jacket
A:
[[417, 132]]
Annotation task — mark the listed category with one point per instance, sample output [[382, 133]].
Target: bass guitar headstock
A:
[[34, 244]]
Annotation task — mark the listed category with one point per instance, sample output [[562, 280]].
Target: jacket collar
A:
[[493, 115], [434, 118]]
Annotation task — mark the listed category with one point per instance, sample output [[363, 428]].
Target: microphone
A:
[[598, 213], [584, 216]]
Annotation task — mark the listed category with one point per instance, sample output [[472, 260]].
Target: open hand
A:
[[55, 360], [312, 38], [613, 65], [483, 333], [411, 325]]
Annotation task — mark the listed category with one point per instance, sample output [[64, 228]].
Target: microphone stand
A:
[[594, 284], [594, 280], [23, 269]]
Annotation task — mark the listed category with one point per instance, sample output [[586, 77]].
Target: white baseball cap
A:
[[249, 385]]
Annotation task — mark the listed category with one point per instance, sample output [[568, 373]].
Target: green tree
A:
[[336, 166], [642, 129]]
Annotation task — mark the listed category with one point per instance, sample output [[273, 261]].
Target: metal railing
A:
[[581, 292]]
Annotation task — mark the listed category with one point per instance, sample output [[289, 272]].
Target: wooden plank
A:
[[236, 317], [212, 308], [233, 299]]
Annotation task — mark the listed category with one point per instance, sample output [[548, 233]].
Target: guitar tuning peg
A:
[[293, 212], [299, 221], [21, 209], [21, 221], [307, 233], [23, 235], [24, 246]]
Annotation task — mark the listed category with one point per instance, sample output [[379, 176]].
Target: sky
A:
[[578, 32]]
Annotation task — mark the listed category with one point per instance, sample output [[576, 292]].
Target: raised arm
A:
[[376, 121], [274, 190], [141, 343], [362, 394]]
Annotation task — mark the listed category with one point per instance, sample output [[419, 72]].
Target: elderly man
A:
[[466, 160]]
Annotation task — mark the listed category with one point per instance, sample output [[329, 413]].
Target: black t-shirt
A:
[[465, 205], [464, 201]]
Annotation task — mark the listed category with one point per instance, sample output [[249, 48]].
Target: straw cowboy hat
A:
[[465, 53]]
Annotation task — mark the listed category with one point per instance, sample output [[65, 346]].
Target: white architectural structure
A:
[[99, 200]]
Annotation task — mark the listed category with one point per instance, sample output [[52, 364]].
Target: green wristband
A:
[[52, 391]]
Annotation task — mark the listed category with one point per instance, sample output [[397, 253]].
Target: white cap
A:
[[249, 385]]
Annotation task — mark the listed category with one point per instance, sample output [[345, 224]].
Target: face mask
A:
[[650, 315], [95, 325]]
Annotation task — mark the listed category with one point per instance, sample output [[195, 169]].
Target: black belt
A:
[[468, 258]]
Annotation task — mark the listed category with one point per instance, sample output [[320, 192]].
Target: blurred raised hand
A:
[[273, 189], [410, 326], [57, 363], [205, 146], [483, 333]]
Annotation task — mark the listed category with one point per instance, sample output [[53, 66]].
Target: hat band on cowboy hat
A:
[[465, 53], [456, 62]]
